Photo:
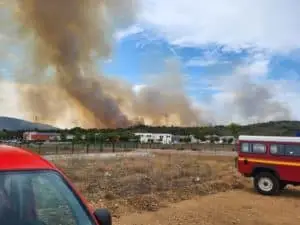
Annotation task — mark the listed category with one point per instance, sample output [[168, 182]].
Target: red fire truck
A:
[[272, 161]]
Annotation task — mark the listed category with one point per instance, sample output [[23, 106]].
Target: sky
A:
[[240, 58], [221, 45]]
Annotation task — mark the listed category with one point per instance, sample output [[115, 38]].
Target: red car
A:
[[34, 191]]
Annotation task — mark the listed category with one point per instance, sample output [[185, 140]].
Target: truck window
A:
[[292, 150], [257, 148], [245, 147], [276, 149], [285, 149]]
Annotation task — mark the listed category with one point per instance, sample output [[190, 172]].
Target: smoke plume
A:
[[244, 100], [66, 39], [256, 102]]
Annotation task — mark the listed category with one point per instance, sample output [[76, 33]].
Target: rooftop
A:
[[14, 158], [279, 139]]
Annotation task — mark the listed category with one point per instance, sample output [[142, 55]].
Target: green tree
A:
[[90, 137], [63, 137], [3, 135], [112, 137], [77, 137], [126, 136], [234, 129], [187, 140], [217, 139], [225, 141], [200, 136], [230, 140]]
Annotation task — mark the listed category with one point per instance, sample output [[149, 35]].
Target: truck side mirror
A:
[[103, 217]]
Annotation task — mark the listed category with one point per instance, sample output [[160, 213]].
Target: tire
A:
[[282, 186], [103, 216], [266, 183]]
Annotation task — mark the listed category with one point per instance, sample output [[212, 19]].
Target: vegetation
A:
[[280, 128]]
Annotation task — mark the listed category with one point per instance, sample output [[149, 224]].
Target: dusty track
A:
[[235, 207]]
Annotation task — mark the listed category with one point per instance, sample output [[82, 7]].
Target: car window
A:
[[51, 206], [41, 198]]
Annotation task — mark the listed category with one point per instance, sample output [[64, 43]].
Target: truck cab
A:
[[34, 191], [272, 161]]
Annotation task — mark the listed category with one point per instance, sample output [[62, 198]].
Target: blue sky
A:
[[132, 60], [239, 58], [221, 46]]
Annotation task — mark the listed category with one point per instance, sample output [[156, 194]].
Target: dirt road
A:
[[235, 207]]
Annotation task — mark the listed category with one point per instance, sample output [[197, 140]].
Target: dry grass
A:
[[127, 185]]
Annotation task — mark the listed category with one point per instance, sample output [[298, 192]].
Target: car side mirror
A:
[[103, 216]]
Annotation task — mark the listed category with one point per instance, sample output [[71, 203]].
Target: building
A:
[[39, 136], [70, 137], [155, 138], [184, 138]]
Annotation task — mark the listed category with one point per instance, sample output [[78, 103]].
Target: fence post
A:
[[56, 149], [113, 146], [72, 148], [101, 146], [87, 148]]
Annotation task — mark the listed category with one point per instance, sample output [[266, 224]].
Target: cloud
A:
[[124, 33], [210, 57], [255, 65], [195, 62], [271, 25]]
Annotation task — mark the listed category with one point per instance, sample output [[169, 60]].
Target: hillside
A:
[[282, 128], [13, 124], [276, 128]]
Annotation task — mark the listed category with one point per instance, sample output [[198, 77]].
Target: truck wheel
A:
[[282, 185], [266, 184]]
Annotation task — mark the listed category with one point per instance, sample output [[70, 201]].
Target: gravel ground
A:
[[239, 207]]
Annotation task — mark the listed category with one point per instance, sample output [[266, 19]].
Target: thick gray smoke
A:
[[246, 101], [66, 40], [256, 102]]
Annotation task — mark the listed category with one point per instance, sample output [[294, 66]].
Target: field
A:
[[177, 188]]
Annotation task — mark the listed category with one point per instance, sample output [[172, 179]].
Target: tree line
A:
[[279, 128]]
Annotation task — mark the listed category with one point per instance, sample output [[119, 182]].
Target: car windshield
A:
[[39, 198]]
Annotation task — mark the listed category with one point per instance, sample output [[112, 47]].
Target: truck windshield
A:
[[39, 198]]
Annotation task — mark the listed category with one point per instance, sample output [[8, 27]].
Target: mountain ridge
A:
[[14, 124]]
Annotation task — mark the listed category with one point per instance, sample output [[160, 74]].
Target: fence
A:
[[71, 148]]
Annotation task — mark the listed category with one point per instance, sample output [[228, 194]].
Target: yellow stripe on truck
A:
[[272, 162]]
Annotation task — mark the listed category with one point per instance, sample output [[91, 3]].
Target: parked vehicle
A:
[[34, 191], [273, 162]]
